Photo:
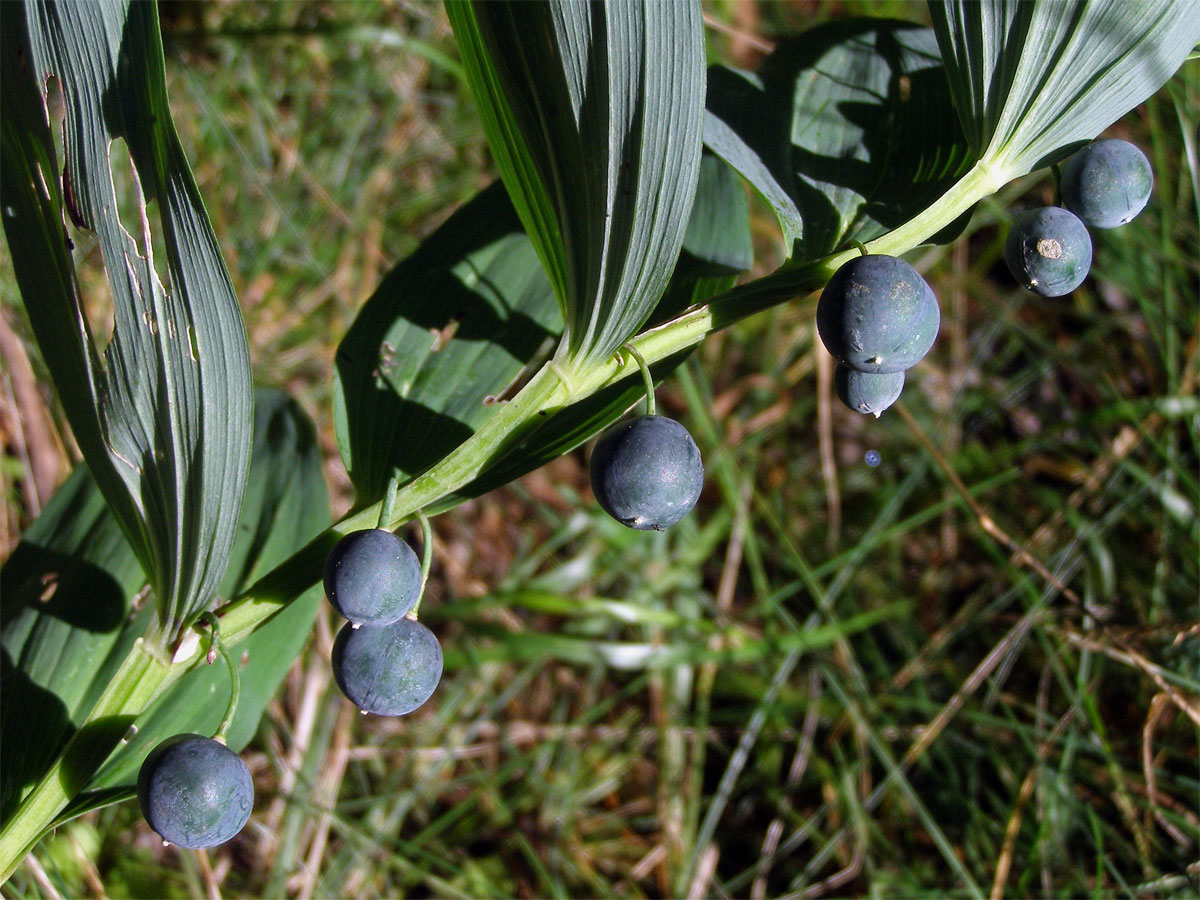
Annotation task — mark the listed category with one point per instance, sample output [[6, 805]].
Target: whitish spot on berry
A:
[[1049, 248]]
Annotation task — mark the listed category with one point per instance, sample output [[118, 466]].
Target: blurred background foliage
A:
[[972, 670]]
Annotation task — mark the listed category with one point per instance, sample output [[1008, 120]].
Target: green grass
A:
[[964, 672]]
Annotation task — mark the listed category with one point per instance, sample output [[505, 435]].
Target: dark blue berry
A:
[[195, 791], [389, 670], [372, 577], [866, 392], [647, 473], [1107, 183], [1049, 251], [878, 315]]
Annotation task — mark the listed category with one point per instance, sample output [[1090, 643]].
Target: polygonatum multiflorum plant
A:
[[610, 247]]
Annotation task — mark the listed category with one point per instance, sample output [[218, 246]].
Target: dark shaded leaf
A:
[[448, 328], [752, 134], [60, 653], [851, 120], [64, 628], [400, 403]]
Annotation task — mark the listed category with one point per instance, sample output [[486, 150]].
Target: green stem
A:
[[136, 683], [558, 384], [389, 500], [646, 377], [235, 681], [426, 560]]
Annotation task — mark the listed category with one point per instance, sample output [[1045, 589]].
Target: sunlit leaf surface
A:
[[605, 102], [162, 412], [1032, 80]]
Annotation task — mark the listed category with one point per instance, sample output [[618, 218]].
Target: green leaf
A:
[[518, 171], [848, 126], [64, 606], [1033, 80], [60, 652], [751, 133], [717, 240], [453, 326], [163, 414], [602, 104], [443, 336]]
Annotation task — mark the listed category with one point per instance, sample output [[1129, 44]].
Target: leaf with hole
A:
[[163, 412]]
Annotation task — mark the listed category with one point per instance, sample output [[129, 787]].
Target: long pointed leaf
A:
[[1032, 80], [606, 99], [163, 416]]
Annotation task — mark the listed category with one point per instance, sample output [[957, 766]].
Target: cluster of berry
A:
[[878, 317], [1104, 185], [385, 662]]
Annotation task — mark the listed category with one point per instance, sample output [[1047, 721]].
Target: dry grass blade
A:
[[42, 879], [212, 885], [1159, 711], [824, 367], [799, 764], [1013, 827], [1116, 647], [325, 797], [985, 520], [748, 38], [27, 424], [704, 873]]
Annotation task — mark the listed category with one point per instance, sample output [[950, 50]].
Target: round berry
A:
[[1049, 251], [1107, 183], [195, 791], [866, 392], [647, 473], [389, 670], [878, 315], [372, 577]]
